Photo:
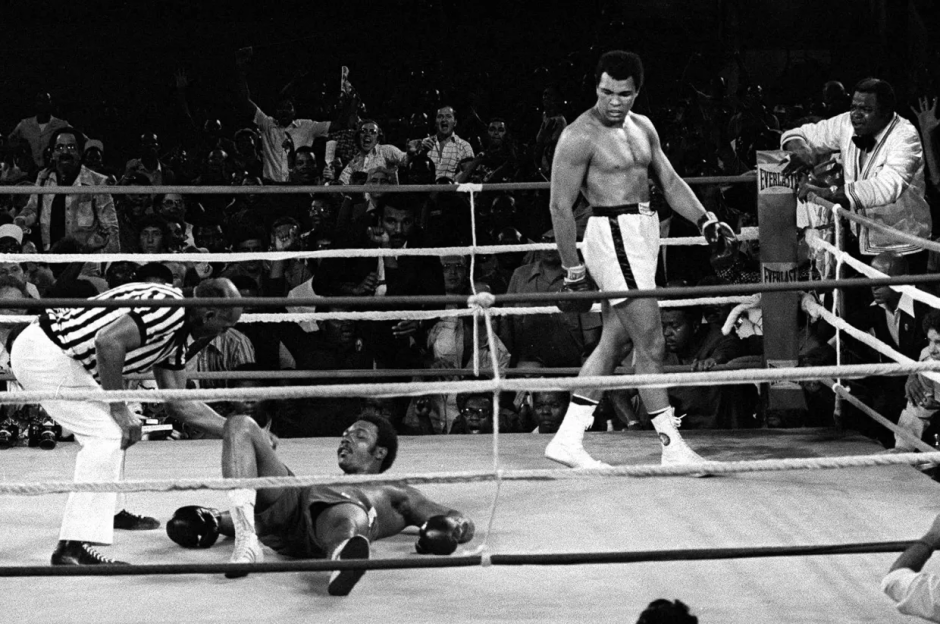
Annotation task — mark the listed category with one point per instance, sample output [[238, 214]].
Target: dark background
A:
[[110, 65]]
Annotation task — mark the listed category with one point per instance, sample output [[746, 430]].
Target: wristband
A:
[[705, 219], [575, 273]]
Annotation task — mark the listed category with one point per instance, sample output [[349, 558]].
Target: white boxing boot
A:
[[247, 546], [676, 451], [567, 447]]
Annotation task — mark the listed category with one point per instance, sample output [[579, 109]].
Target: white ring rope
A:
[[749, 233], [814, 309], [650, 470], [899, 432], [421, 388], [415, 315], [836, 309], [861, 267]]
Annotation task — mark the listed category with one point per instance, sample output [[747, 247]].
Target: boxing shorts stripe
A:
[[621, 248]]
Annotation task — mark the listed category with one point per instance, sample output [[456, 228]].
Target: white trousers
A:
[[39, 364]]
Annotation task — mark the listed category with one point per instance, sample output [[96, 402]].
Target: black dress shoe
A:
[[132, 522], [70, 552]]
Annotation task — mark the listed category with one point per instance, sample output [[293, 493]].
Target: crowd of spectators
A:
[[710, 131]]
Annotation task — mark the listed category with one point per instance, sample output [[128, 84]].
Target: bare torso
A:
[[619, 160]]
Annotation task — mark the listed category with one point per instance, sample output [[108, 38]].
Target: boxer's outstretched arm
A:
[[194, 413], [416, 509]]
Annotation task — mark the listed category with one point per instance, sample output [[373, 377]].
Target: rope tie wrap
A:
[[482, 301]]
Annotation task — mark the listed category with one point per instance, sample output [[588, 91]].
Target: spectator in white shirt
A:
[[445, 149], [280, 134], [916, 592], [372, 154]]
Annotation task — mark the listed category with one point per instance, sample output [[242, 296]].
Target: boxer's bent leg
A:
[[343, 531], [337, 523], [39, 364], [247, 453]]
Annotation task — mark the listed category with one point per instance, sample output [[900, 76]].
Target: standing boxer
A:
[[606, 154]]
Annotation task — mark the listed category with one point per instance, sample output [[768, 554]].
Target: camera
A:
[[44, 433], [9, 433]]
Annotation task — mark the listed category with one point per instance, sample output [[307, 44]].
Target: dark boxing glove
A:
[[577, 280], [720, 238], [194, 527], [438, 536]]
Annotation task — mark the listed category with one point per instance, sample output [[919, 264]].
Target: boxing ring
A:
[[796, 525]]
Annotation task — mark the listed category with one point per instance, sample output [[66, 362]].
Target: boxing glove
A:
[[438, 536], [577, 280], [720, 238], [194, 527]]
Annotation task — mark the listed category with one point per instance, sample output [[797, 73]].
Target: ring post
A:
[[776, 214]]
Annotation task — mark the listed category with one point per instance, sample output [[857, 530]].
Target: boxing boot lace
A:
[[71, 552]]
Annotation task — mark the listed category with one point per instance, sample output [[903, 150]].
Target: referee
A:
[[91, 349]]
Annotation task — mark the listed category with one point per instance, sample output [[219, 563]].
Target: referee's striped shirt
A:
[[162, 333]]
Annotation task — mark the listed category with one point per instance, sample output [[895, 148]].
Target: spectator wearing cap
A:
[[148, 162], [37, 131], [93, 158], [90, 219], [11, 238]]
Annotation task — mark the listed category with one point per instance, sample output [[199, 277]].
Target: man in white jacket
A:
[[883, 162]]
